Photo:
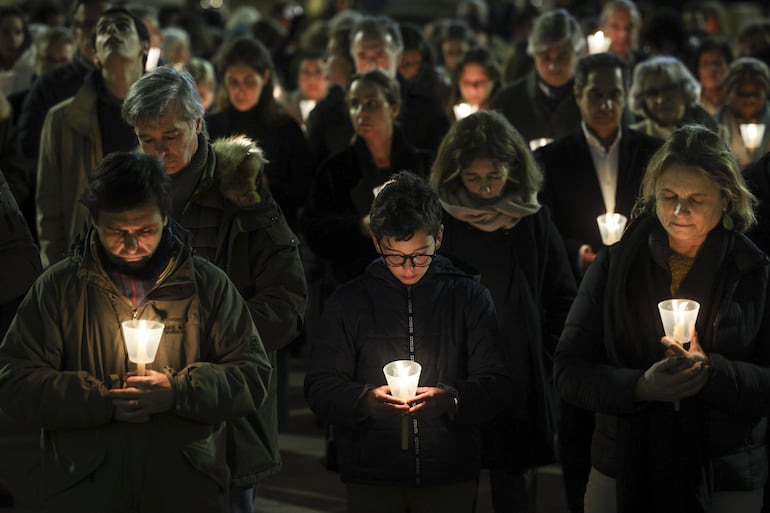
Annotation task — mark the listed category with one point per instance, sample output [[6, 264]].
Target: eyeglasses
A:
[[417, 259]]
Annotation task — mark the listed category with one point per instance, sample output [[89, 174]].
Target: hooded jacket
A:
[[445, 322], [237, 225], [65, 349]]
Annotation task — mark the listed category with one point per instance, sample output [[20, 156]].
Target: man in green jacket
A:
[[219, 193], [115, 440]]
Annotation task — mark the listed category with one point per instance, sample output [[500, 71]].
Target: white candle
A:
[[611, 226], [463, 110], [597, 43], [752, 134]]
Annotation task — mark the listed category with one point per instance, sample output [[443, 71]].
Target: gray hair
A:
[[378, 27], [621, 5], [743, 69], [553, 28], [666, 65], [163, 90]]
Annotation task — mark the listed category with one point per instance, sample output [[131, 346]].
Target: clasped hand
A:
[[429, 402], [142, 396], [682, 374]]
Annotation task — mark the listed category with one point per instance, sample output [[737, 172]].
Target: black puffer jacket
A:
[[366, 325]]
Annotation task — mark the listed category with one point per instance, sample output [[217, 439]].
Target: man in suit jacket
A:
[[596, 169], [541, 105]]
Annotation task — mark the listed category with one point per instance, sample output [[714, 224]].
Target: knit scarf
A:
[[500, 213]]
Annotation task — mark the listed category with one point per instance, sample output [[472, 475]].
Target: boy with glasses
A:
[[409, 304]]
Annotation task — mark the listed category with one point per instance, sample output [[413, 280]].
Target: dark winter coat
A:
[[341, 195], [237, 225], [65, 349], [527, 272], [366, 325], [612, 335]]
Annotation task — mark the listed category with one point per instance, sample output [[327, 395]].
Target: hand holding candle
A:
[[678, 317], [403, 377], [142, 341]]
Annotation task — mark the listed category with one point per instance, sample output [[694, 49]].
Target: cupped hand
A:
[[142, 396], [671, 379], [695, 353], [430, 402], [379, 404]]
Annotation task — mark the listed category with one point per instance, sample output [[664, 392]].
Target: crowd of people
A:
[[365, 189]]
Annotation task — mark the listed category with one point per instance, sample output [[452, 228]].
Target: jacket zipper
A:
[[415, 427]]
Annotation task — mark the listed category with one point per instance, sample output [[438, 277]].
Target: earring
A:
[[727, 222]]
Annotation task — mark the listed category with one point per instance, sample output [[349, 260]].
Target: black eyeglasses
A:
[[418, 260]]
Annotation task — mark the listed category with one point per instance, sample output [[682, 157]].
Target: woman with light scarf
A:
[[488, 182]]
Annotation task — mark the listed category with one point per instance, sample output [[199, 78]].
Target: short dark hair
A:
[[126, 180], [141, 29], [404, 206], [585, 65]]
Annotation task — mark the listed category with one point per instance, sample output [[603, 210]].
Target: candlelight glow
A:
[[611, 226], [597, 42], [752, 134], [142, 341], [463, 110]]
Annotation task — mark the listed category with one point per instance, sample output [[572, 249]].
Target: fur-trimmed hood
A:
[[240, 163]]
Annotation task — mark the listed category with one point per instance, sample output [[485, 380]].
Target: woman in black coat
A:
[[250, 109], [488, 182], [676, 429], [335, 223]]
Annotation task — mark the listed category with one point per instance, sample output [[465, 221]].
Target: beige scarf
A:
[[501, 213]]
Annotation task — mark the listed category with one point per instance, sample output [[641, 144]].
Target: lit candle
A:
[[752, 134], [463, 110], [678, 317], [403, 377], [597, 43], [611, 226], [142, 341], [305, 107], [539, 142]]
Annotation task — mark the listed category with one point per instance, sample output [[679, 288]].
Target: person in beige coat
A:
[[73, 138]]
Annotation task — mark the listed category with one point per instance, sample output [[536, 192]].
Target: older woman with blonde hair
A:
[[667, 96], [487, 181], [679, 427]]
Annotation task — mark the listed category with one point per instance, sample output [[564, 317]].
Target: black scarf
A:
[[661, 454]]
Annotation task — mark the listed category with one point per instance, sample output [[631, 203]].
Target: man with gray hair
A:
[[219, 195], [541, 105]]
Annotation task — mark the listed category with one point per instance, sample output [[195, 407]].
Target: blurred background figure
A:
[[205, 78], [17, 51], [418, 65], [666, 95], [55, 47], [488, 182], [541, 105], [746, 88], [311, 86], [454, 39], [249, 108], [621, 21], [476, 80], [711, 60], [335, 222], [175, 48]]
